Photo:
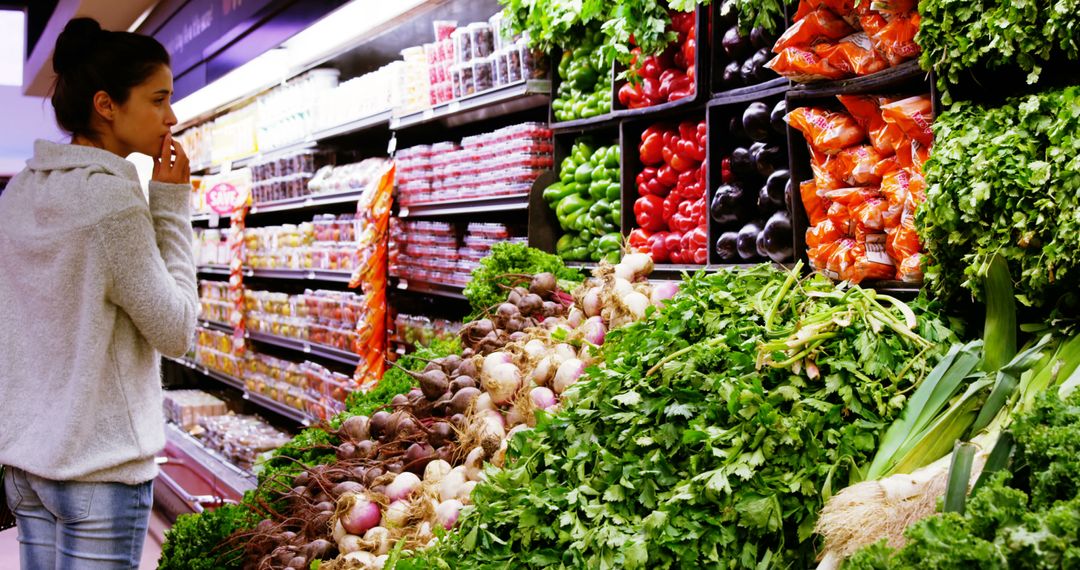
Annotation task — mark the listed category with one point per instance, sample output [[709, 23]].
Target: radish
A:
[[451, 485], [357, 513], [568, 374], [565, 352], [575, 317], [492, 425], [542, 397], [535, 348], [502, 382], [401, 487], [378, 540], [639, 264], [594, 330], [483, 402], [350, 543], [636, 303], [447, 513], [664, 291], [436, 471], [591, 302], [396, 515], [493, 360], [465, 493]]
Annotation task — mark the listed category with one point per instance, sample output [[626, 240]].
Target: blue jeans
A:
[[67, 525]]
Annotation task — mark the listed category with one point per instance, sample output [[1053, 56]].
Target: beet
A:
[[463, 382], [440, 434], [417, 456], [464, 397], [543, 284]]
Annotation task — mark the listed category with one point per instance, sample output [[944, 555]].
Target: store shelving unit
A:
[[465, 207], [308, 348], [292, 414], [498, 102], [301, 274], [428, 288]]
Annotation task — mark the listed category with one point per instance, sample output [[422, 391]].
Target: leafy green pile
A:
[[1005, 180], [501, 268], [1025, 519], [197, 542], [710, 437], [957, 37]]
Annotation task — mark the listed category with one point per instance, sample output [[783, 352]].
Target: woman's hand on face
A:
[[171, 166]]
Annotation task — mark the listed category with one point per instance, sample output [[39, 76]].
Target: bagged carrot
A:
[[858, 165], [913, 116], [815, 206], [854, 55], [826, 131], [803, 66], [866, 110], [896, 41], [817, 26], [822, 233], [824, 168], [863, 265]]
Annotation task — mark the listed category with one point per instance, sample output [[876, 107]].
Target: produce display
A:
[[868, 183], [1000, 180], [586, 202], [431, 252], [322, 317], [670, 211], [504, 162], [836, 40], [585, 80], [753, 224], [669, 76], [742, 56]]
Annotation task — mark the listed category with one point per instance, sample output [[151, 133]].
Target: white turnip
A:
[[350, 543], [575, 317], [502, 382], [594, 330], [545, 369], [591, 302], [564, 352], [493, 360], [535, 348], [450, 486], [357, 513], [362, 557], [639, 264], [465, 494], [636, 303], [447, 513], [542, 397], [378, 540], [622, 287], [401, 487], [436, 471], [663, 291], [567, 375], [483, 402], [396, 515], [474, 464]]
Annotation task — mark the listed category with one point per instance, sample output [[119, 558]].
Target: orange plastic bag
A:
[[863, 206], [857, 165], [841, 258], [815, 206], [849, 10], [819, 256], [826, 131], [914, 116], [910, 269], [819, 25], [822, 233], [851, 197], [872, 23], [803, 66], [824, 168], [866, 111], [854, 55], [862, 265], [903, 242], [870, 214], [895, 188], [916, 187], [896, 41], [840, 216]]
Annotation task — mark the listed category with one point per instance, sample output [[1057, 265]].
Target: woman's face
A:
[[141, 123]]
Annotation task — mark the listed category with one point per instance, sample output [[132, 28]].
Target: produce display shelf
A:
[[513, 98], [462, 207], [380, 119], [750, 93], [277, 152], [305, 202], [301, 274], [232, 476], [581, 125], [903, 74], [429, 288], [306, 347], [258, 399], [215, 325], [213, 269]]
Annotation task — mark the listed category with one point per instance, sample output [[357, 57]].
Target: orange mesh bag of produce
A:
[[903, 242], [822, 233], [826, 131], [866, 110], [896, 41], [824, 168], [857, 165], [818, 25], [803, 66], [815, 206], [854, 55], [863, 264], [913, 116]]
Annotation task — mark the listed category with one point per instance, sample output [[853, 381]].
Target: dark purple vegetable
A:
[[769, 159], [746, 71], [758, 61], [765, 206], [440, 434], [733, 76], [759, 245], [462, 382], [729, 14], [777, 237], [756, 121], [789, 196], [417, 456], [735, 129], [735, 45], [730, 205], [747, 245], [759, 38], [464, 397], [727, 246], [742, 165], [779, 125]]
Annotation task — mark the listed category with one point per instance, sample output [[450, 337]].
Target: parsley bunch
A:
[[507, 260], [197, 542], [689, 449], [1005, 181]]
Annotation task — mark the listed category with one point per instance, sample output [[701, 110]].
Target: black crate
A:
[[702, 56], [726, 133], [576, 124], [720, 60]]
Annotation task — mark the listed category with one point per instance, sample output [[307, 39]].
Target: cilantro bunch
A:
[[688, 449], [198, 541], [993, 34], [502, 268], [1028, 518], [1005, 181]]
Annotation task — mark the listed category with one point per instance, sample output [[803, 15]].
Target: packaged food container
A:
[[512, 60], [500, 75], [483, 42], [498, 29], [444, 29], [468, 83], [463, 50]]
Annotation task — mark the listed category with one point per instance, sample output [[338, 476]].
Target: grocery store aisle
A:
[[9, 545]]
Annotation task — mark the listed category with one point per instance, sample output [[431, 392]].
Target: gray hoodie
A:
[[94, 285]]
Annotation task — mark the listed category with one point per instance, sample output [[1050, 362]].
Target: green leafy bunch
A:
[[1005, 180], [957, 36], [501, 269], [688, 450], [199, 541], [1028, 518]]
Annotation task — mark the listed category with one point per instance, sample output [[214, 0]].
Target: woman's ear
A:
[[104, 106]]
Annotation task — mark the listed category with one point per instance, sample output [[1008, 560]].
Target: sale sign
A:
[[226, 193]]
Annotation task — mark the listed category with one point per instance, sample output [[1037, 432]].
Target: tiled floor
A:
[[9, 545]]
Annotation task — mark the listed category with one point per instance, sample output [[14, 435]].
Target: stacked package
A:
[[186, 407], [241, 438], [430, 252]]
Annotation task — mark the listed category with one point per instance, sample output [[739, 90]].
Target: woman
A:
[[95, 284]]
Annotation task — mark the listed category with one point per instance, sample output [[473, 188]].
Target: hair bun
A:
[[75, 43]]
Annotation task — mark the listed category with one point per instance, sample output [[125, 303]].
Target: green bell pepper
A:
[[612, 192], [565, 243], [570, 204], [613, 257], [583, 174], [616, 212], [611, 157], [558, 191], [609, 242], [600, 209]]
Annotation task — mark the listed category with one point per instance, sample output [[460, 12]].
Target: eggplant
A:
[[727, 246], [747, 245], [730, 205], [746, 71], [760, 73], [729, 14], [735, 45], [778, 237], [759, 38], [776, 187], [765, 205], [732, 77], [759, 245], [789, 196], [756, 121], [735, 129], [779, 125], [769, 159], [742, 166]]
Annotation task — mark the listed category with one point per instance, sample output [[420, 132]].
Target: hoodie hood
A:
[[65, 187]]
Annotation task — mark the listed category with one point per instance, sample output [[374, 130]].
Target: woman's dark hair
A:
[[88, 59]]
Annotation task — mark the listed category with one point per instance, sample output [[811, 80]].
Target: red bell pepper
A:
[[651, 149], [688, 130], [649, 212], [688, 178], [673, 243], [697, 212], [649, 183], [639, 240], [650, 67], [689, 150], [679, 163], [657, 248], [689, 51], [699, 238], [703, 134], [671, 207], [667, 176], [682, 22], [650, 88], [631, 96], [680, 87], [666, 79], [703, 176]]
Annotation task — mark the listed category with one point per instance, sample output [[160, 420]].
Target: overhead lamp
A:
[[12, 39]]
